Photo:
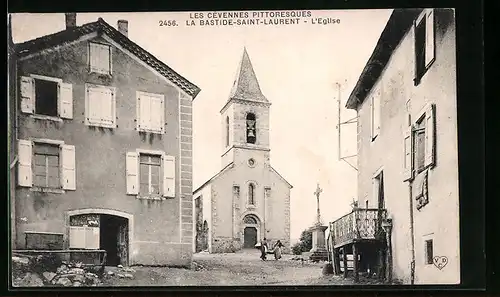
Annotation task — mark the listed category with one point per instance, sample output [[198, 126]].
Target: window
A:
[[378, 189], [375, 115], [429, 253], [250, 220], [100, 58], [150, 174], [150, 112], [424, 43], [46, 96], [251, 194], [250, 124], [46, 165], [100, 106], [227, 131], [420, 144]]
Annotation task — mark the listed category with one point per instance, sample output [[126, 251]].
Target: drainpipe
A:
[[412, 233]]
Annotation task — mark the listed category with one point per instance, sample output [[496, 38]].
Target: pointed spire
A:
[[245, 85]]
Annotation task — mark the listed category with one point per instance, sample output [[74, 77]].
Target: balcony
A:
[[361, 224]]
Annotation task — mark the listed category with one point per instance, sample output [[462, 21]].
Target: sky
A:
[[299, 68]]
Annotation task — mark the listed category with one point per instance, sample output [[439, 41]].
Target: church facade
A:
[[247, 200]]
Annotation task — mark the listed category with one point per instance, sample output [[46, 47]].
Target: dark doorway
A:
[[114, 239], [250, 237]]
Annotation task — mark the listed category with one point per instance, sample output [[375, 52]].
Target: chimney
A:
[[123, 27], [70, 20]]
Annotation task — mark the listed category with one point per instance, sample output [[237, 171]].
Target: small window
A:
[[46, 97], [420, 48], [46, 167], [429, 252], [227, 131], [100, 58], [150, 175], [251, 220], [420, 145], [251, 131], [100, 106], [424, 43], [251, 194], [150, 112]]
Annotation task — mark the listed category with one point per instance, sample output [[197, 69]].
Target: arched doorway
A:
[[101, 229], [250, 231]]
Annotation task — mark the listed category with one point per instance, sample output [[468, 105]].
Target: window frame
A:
[[59, 144], [59, 165], [160, 175], [429, 258], [162, 156], [149, 129], [101, 123], [416, 151], [423, 20], [247, 129], [251, 202], [59, 81], [110, 66]]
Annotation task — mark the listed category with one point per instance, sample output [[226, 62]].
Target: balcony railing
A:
[[359, 224]]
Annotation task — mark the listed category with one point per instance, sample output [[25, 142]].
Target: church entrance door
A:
[[250, 237]]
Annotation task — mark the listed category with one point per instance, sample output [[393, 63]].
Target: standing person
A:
[[263, 249], [277, 250]]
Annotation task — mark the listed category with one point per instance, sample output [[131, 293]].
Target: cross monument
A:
[[317, 193], [318, 251]]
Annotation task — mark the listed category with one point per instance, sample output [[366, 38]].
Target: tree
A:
[[304, 244]]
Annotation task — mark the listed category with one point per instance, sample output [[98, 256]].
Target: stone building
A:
[[406, 103], [104, 132], [248, 199]]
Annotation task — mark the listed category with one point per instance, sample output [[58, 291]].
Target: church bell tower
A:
[[245, 119]]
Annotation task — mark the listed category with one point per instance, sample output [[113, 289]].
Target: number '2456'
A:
[[168, 23]]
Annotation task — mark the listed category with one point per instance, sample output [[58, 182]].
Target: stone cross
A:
[[317, 193]]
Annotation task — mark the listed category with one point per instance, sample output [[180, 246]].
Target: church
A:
[[247, 200]]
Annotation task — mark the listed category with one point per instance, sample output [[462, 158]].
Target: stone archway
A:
[[251, 230]]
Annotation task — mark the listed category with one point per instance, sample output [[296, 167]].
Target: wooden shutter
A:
[[93, 111], [65, 100], [107, 107], [376, 111], [27, 94], [77, 237], [169, 176], [157, 113], [143, 112], [429, 37], [24, 173], [132, 173], [68, 168], [430, 135], [408, 154], [92, 240]]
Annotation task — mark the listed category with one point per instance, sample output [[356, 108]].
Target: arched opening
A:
[[94, 229], [250, 231], [251, 194], [251, 128], [227, 131]]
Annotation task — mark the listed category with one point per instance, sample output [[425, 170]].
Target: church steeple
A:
[[246, 86]]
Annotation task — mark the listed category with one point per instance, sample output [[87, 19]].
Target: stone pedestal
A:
[[319, 252]]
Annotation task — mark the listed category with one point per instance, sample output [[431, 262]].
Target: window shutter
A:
[[92, 238], [429, 37], [408, 154], [27, 94], [107, 107], [24, 173], [143, 112], [376, 111], [169, 176], [157, 113], [430, 135], [132, 173], [68, 167], [94, 97], [77, 237], [65, 100]]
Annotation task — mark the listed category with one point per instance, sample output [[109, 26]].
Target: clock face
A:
[[251, 162]]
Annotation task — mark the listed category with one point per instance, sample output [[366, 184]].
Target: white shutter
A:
[[77, 237], [430, 135], [407, 154], [104, 53], [27, 94], [93, 111], [65, 100], [24, 173], [376, 112], [429, 37], [132, 173], [157, 112], [92, 240], [107, 107], [169, 176], [144, 112], [68, 167]]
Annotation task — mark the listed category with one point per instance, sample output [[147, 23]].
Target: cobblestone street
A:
[[242, 268]]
